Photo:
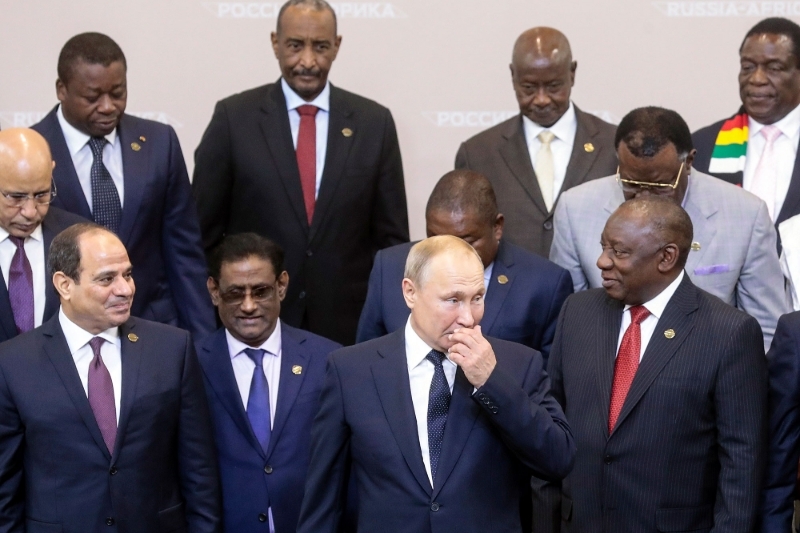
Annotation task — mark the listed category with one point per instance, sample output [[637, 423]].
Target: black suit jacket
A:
[[53, 223], [56, 472], [246, 179], [501, 154], [689, 448]]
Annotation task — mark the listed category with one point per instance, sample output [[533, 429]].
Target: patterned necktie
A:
[[627, 363], [101, 396], [764, 179], [258, 402], [106, 207], [307, 156], [438, 405], [544, 170], [20, 287]]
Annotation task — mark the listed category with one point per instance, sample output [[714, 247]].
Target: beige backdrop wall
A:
[[441, 66]]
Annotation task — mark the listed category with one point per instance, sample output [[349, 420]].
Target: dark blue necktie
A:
[[106, 207], [438, 405], [258, 401]]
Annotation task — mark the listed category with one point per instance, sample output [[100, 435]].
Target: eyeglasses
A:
[[19, 199], [261, 293], [633, 187]]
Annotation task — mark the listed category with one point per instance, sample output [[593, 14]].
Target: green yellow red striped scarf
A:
[[731, 147]]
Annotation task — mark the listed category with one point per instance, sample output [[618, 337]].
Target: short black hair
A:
[[316, 5], [461, 191], [92, 48], [65, 250], [240, 246], [668, 220], [647, 130], [778, 26]]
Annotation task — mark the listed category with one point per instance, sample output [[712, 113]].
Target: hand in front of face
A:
[[473, 353]]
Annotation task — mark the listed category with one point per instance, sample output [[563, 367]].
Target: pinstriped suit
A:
[[688, 450]]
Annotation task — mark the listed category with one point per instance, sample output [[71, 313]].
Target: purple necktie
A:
[[20, 287], [101, 396]]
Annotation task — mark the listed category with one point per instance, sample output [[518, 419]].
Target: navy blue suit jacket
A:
[[493, 441], [53, 223], [251, 479], [159, 225], [783, 360], [57, 474], [524, 309]]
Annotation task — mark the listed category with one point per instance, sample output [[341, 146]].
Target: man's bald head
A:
[[543, 72], [26, 169], [666, 221]]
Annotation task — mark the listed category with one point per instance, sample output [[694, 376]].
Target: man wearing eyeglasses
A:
[[263, 380], [27, 226], [733, 254]]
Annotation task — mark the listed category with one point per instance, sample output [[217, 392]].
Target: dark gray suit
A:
[[501, 154]]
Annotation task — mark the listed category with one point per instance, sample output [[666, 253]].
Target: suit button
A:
[[434, 507], [302, 295], [113, 471], [268, 469], [548, 225], [262, 517], [109, 521], [485, 400], [309, 253], [608, 459], [494, 409]]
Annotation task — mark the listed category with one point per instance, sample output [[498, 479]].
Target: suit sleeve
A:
[[371, 324], [740, 400], [328, 472], [390, 211], [197, 460], [562, 291], [760, 290], [784, 446], [183, 249], [12, 434], [213, 179], [564, 251]]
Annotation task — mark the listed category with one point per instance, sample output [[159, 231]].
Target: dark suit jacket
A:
[[57, 472], [784, 410], [159, 222], [53, 223], [492, 441], [501, 154], [247, 488], [524, 309], [688, 450], [246, 179]]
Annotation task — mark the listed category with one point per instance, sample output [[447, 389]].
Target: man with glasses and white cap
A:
[[733, 254]]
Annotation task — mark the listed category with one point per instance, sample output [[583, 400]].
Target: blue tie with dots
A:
[[106, 207], [258, 402], [438, 405]]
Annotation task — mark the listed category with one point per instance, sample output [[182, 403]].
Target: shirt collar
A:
[[77, 337], [293, 100], [789, 125], [564, 129], [487, 275], [75, 138], [272, 345], [36, 235], [657, 305]]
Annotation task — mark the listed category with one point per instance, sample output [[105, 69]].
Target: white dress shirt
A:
[[420, 375], [656, 307], [78, 343], [561, 146], [323, 102], [487, 278], [34, 249], [78, 145], [785, 149]]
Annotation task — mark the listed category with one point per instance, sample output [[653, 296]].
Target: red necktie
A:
[[307, 156], [627, 363]]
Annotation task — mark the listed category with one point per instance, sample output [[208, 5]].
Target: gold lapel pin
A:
[[297, 370], [695, 246], [136, 147], [347, 132], [142, 138], [133, 337], [670, 334], [589, 147], [502, 279]]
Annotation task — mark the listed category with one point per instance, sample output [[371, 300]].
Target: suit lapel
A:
[[131, 357], [790, 204], [610, 320], [6, 313], [394, 390], [497, 292], [136, 174], [581, 161], [51, 299], [515, 153], [700, 207], [69, 192], [292, 354]]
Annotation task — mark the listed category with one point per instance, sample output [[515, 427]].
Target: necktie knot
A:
[[770, 133], [546, 137], [96, 343], [97, 144], [307, 110], [19, 242], [436, 357], [638, 314], [257, 355]]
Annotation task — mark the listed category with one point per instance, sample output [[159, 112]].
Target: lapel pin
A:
[[136, 147], [670, 333], [695, 246], [133, 337], [502, 279], [297, 370], [347, 132], [589, 147], [142, 138]]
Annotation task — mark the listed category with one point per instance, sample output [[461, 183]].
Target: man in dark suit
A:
[[550, 147], [664, 385], [442, 426], [104, 424], [310, 166], [128, 175], [524, 292], [263, 380], [27, 226]]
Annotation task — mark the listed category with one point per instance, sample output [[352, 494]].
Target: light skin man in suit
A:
[[665, 388], [128, 174], [263, 472], [312, 167], [550, 147], [442, 426], [97, 408]]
